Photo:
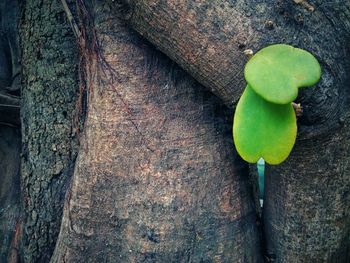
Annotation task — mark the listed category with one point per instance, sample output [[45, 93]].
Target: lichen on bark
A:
[[50, 61]]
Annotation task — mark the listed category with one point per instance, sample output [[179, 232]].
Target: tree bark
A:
[[50, 86], [207, 38], [306, 207], [157, 179]]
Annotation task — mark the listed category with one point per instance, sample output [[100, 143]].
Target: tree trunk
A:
[[306, 214], [50, 60], [157, 179]]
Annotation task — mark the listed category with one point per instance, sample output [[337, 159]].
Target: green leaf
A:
[[276, 72], [262, 129]]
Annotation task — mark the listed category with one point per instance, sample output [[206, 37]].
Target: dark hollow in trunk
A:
[[10, 136], [10, 147]]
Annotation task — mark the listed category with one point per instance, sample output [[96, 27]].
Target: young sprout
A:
[[276, 72], [265, 122], [263, 129]]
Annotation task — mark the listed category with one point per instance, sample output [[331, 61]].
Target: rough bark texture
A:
[[306, 212], [207, 38], [48, 106], [157, 179], [307, 202]]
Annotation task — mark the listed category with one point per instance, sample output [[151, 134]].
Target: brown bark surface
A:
[[207, 38], [306, 212], [157, 178], [307, 202]]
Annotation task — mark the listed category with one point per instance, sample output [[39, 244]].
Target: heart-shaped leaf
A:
[[276, 72], [262, 129]]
